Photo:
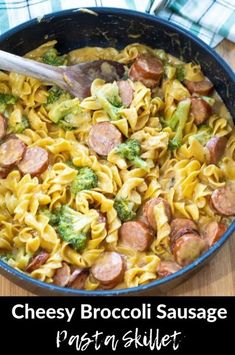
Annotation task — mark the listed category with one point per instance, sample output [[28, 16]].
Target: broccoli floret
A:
[[86, 179], [51, 57], [54, 217], [73, 227], [203, 135], [6, 99], [19, 126], [124, 209], [55, 94], [68, 114], [109, 99], [131, 150], [179, 120], [70, 122], [6, 256], [62, 109], [180, 72]]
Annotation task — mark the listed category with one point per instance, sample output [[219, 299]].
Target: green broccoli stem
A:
[[108, 97], [182, 113], [203, 135], [174, 121], [209, 100], [140, 163], [111, 110]]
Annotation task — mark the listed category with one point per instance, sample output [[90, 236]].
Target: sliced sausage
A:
[[11, 152], [3, 126], [148, 210], [37, 261], [216, 147], [136, 76], [180, 226], [4, 172], [147, 69], [183, 231], [126, 92], [136, 235], [103, 137], [188, 248], [109, 269], [213, 231], [223, 200], [102, 219], [34, 162], [203, 87], [78, 278], [166, 268], [62, 275], [200, 110]]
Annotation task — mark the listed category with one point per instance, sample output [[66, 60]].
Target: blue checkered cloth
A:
[[210, 20]]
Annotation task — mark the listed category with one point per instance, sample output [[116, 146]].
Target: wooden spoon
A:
[[76, 79]]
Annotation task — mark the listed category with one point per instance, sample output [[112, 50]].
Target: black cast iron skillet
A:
[[118, 28]]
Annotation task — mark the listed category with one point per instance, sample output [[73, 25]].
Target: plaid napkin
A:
[[211, 20]]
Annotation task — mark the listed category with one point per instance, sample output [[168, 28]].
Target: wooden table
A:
[[215, 279]]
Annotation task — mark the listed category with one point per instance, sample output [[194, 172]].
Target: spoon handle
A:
[[28, 67]]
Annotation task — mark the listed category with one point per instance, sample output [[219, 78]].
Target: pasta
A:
[[121, 203]]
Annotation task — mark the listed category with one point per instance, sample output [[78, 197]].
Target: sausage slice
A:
[[126, 92], [213, 231], [109, 269], [181, 232], [180, 226], [166, 268], [216, 147], [11, 152], [34, 162], [62, 275], [203, 87], [4, 172], [147, 69], [188, 248], [103, 137], [223, 200], [78, 278], [136, 235], [37, 261], [200, 109], [148, 210], [3, 126], [102, 219]]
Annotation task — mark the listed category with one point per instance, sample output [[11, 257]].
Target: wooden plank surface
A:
[[215, 279]]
